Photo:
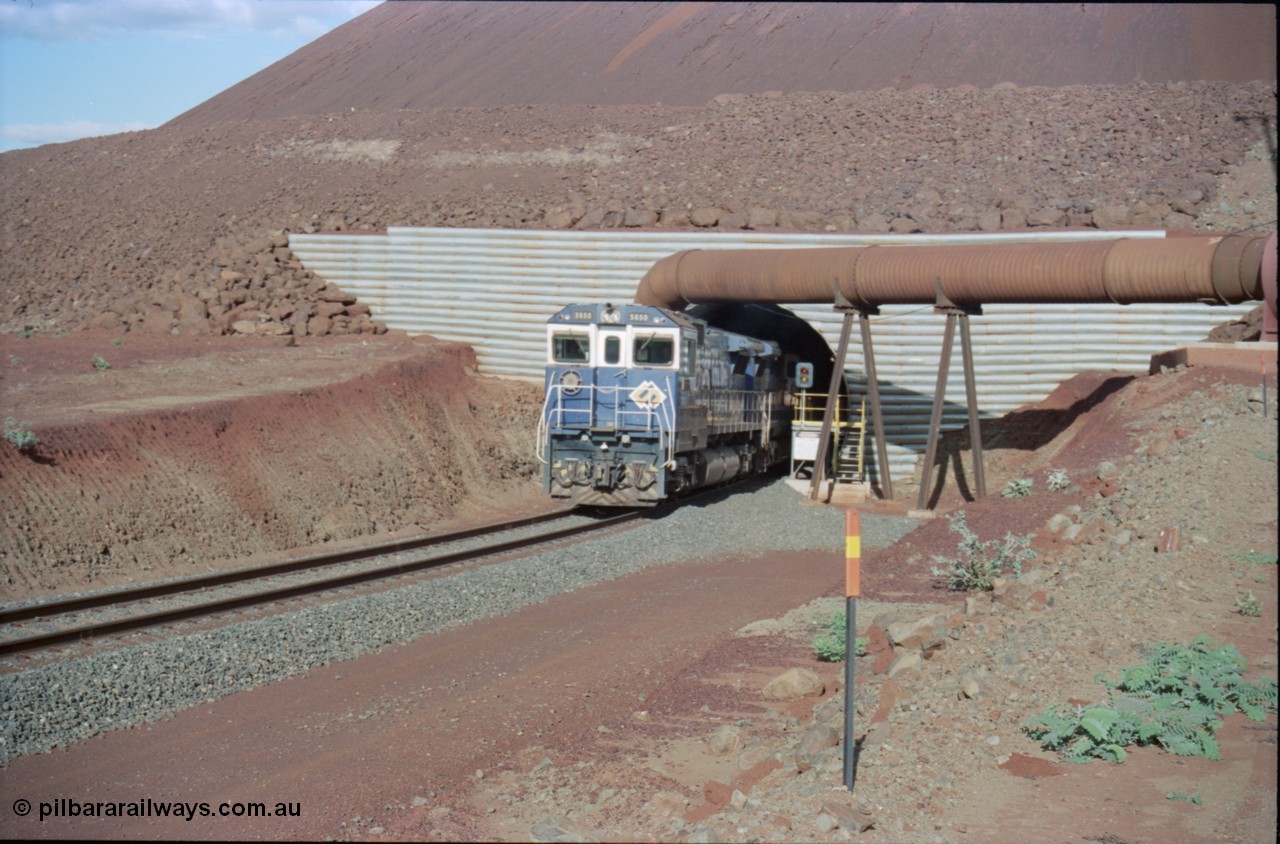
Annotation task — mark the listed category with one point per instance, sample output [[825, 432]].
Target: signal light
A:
[[804, 375]]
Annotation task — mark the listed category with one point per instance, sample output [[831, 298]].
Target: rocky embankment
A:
[[168, 461], [257, 287]]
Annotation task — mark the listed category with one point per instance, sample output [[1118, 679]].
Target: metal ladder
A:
[[849, 468]]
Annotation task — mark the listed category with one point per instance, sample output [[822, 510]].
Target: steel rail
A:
[[245, 573], [152, 619]]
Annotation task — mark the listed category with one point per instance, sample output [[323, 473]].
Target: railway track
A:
[[33, 627]]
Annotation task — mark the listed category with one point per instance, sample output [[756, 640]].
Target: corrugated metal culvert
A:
[[495, 290]]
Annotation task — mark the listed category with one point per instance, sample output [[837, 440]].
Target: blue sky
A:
[[77, 68]]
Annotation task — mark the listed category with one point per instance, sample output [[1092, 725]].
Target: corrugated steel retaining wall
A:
[[495, 289]]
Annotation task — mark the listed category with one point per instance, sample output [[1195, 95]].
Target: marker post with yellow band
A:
[[852, 556], [852, 590]]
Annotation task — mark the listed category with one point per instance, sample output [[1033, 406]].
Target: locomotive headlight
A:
[[571, 382], [626, 439]]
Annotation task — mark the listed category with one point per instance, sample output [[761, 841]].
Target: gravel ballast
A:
[[57, 704]]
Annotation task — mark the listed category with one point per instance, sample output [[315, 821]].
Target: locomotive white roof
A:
[[625, 315], [648, 315]]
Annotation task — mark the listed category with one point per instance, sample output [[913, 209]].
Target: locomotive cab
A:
[[612, 377], [642, 403]]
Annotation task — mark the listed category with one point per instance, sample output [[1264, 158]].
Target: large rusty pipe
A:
[[1224, 269]]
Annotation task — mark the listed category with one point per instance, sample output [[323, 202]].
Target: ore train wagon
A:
[[644, 403]]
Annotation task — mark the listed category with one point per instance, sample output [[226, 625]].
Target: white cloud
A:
[[19, 135], [90, 20]]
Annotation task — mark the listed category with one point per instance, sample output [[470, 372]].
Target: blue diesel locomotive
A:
[[644, 403]]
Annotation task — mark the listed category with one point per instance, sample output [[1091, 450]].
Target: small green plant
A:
[[1184, 798], [27, 333], [1257, 558], [829, 645], [119, 341], [1018, 488], [977, 562], [14, 360], [1248, 604], [100, 363], [19, 435], [1176, 700], [1059, 480]]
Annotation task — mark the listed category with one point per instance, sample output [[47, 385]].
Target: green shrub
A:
[[1059, 480], [1176, 700], [1185, 798], [978, 562], [1248, 604], [1019, 488], [100, 363], [1258, 558], [829, 645], [20, 435]]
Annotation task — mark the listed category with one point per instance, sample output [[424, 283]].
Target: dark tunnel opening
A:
[[799, 340]]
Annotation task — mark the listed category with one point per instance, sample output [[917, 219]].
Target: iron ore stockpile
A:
[[217, 261], [72, 699]]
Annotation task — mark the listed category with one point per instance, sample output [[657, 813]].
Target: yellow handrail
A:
[[808, 410], [810, 407]]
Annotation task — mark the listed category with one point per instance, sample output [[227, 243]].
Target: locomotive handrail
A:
[[558, 416], [727, 410], [739, 410], [542, 434], [659, 419], [670, 433]]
